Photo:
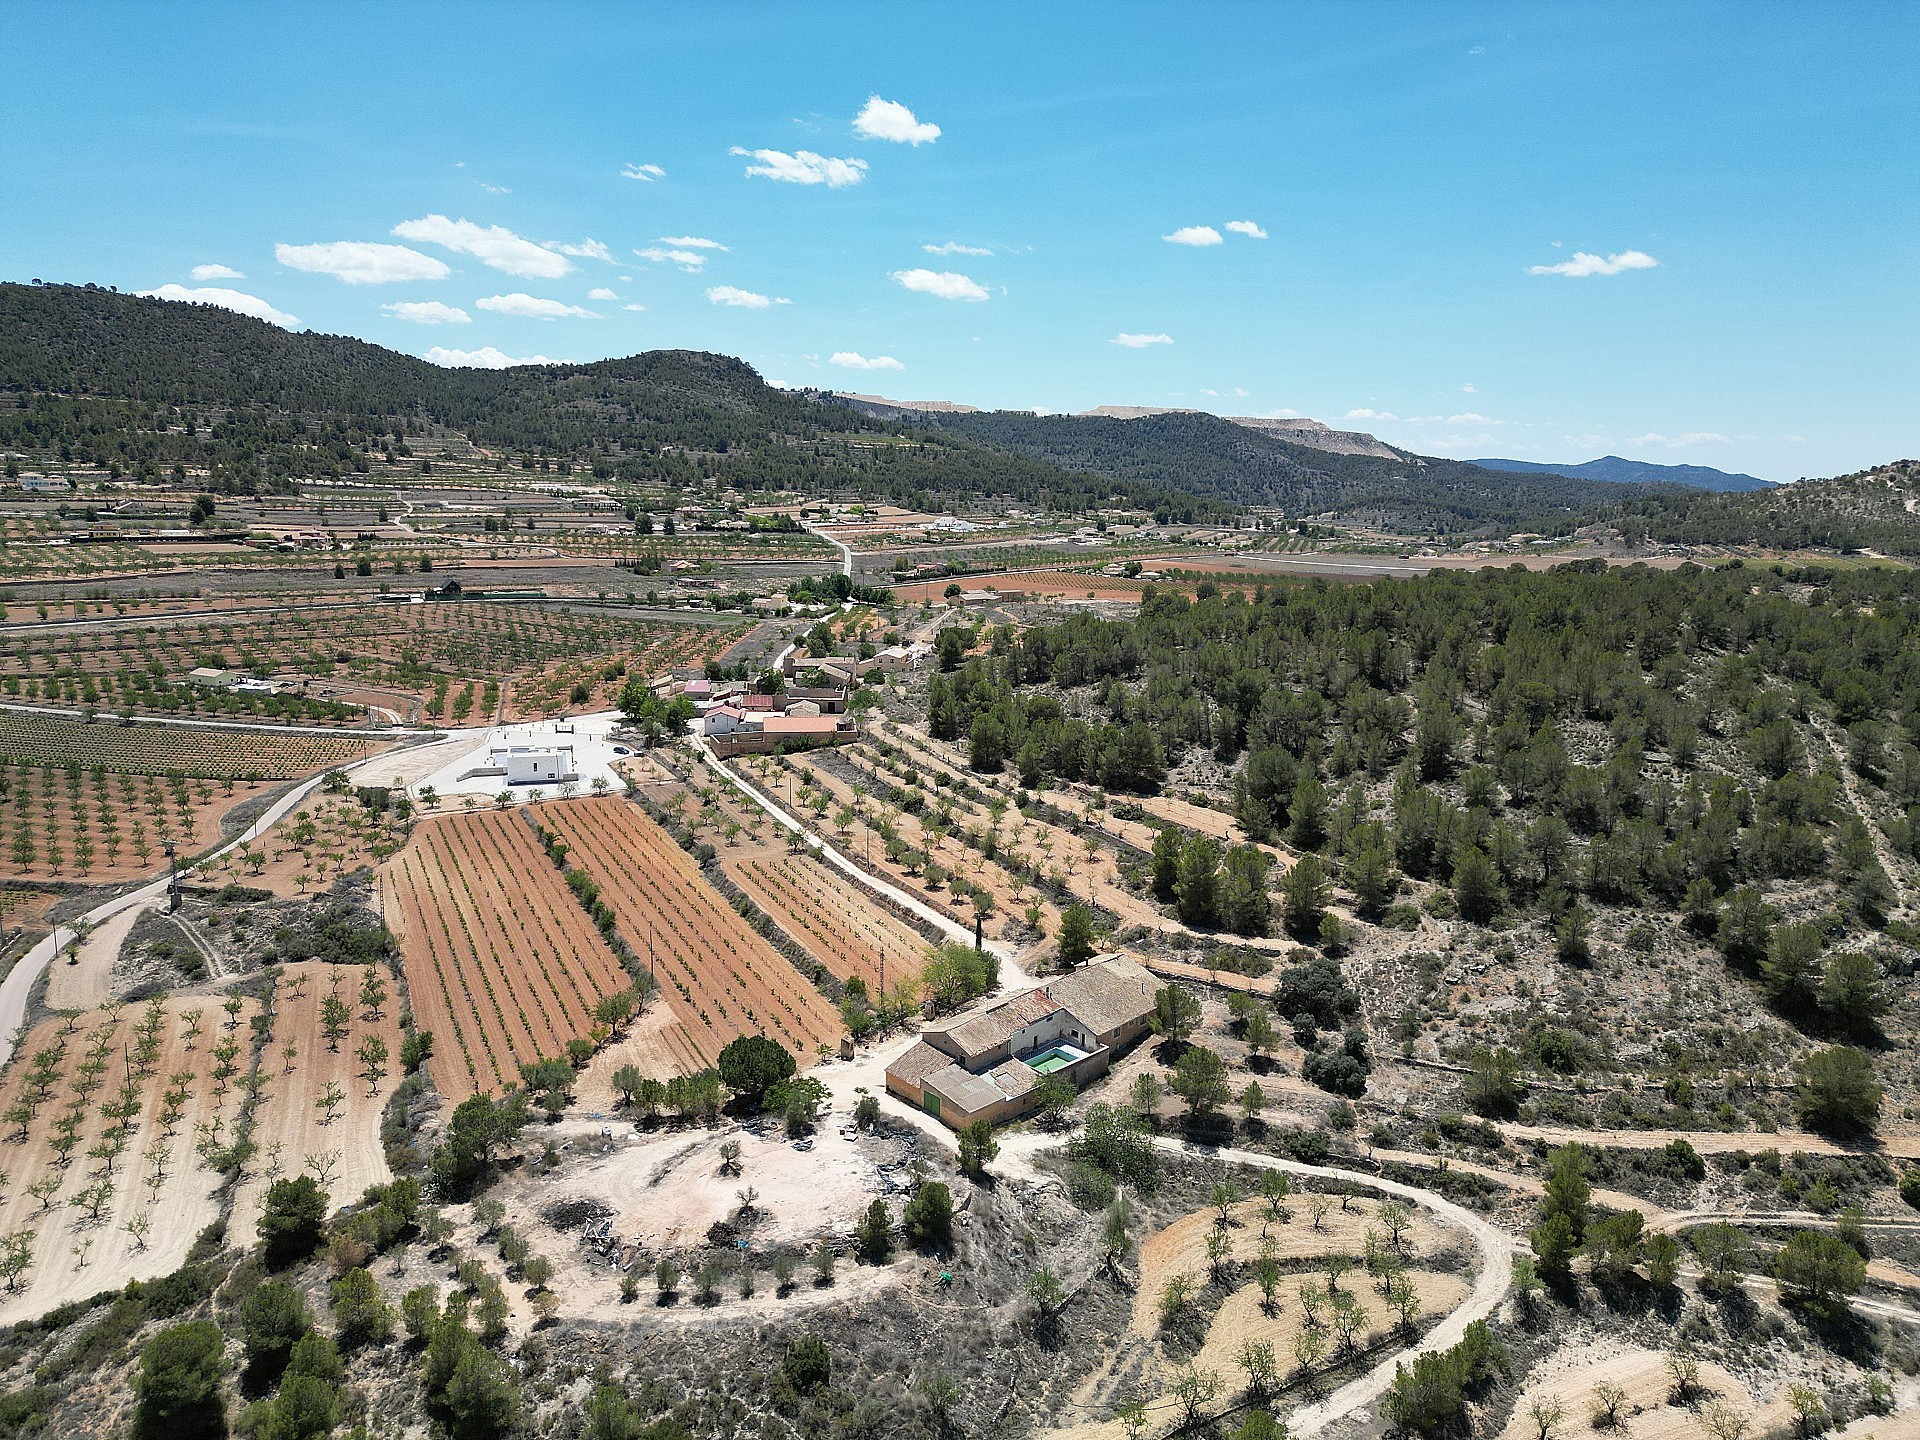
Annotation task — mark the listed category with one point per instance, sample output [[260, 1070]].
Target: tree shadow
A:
[[1839, 1329]]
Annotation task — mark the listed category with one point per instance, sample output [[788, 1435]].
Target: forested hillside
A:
[[1714, 762], [1230, 462], [142, 384], [1871, 510]]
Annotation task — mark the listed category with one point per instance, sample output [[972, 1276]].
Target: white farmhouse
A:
[[534, 764]]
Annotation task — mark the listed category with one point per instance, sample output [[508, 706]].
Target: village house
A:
[[988, 1065]]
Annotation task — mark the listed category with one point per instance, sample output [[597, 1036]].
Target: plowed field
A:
[[502, 964], [292, 1125], [718, 975], [97, 1080], [825, 914]]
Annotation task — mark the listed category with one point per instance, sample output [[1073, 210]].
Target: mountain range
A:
[[1616, 470], [148, 387]]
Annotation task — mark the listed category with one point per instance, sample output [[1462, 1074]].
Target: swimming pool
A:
[[1057, 1058]]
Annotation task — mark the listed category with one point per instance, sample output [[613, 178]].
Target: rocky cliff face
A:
[[1302, 431]]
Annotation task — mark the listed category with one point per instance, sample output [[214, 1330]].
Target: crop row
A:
[[844, 933], [718, 974], [208, 751], [500, 960]]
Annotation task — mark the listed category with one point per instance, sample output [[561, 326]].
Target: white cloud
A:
[[635, 306], [216, 272], [1365, 414], [851, 360], [600, 292], [1246, 228], [492, 245], [1687, 441], [691, 242], [743, 299], [1583, 264], [588, 249], [685, 259], [889, 120], [954, 247], [427, 312], [1140, 342], [804, 167], [649, 173], [226, 300], [1470, 389], [1472, 419], [531, 307], [946, 284], [361, 262], [1196, 235], [485, 358], [1238, 392], [493, 189]]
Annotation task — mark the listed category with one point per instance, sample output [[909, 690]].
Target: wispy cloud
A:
[[601, 292], [1583, 264], [1140, 342], [1195, 235], [216, 272], [888, 120], [492, 245], [361, 262], [1365, 414], [427, 312], [1238, 392], [532, 307], [1246, 228], [685, 259], [742, 299], [634, 305], [1470, 389], [853, 360], [226, 300], [944, 284], [588, 249], [691, 242], [1688, 441], [648, 173], [493, 189], [954, 247], [485, 358], [804, 167]]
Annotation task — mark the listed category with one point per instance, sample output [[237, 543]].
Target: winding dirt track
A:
[[1490, 1284]]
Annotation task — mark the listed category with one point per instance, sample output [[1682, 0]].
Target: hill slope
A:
[[1616, 470], [1228, 461], [146, 384]]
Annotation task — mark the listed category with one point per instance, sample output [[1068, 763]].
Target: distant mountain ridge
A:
[[1616, 470], [1296, 429]]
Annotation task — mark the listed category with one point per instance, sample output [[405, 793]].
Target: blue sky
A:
[[1739, 179]]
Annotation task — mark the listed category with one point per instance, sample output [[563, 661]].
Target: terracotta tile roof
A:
[[919, 1061], [976, 1034], [1107, 993]]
